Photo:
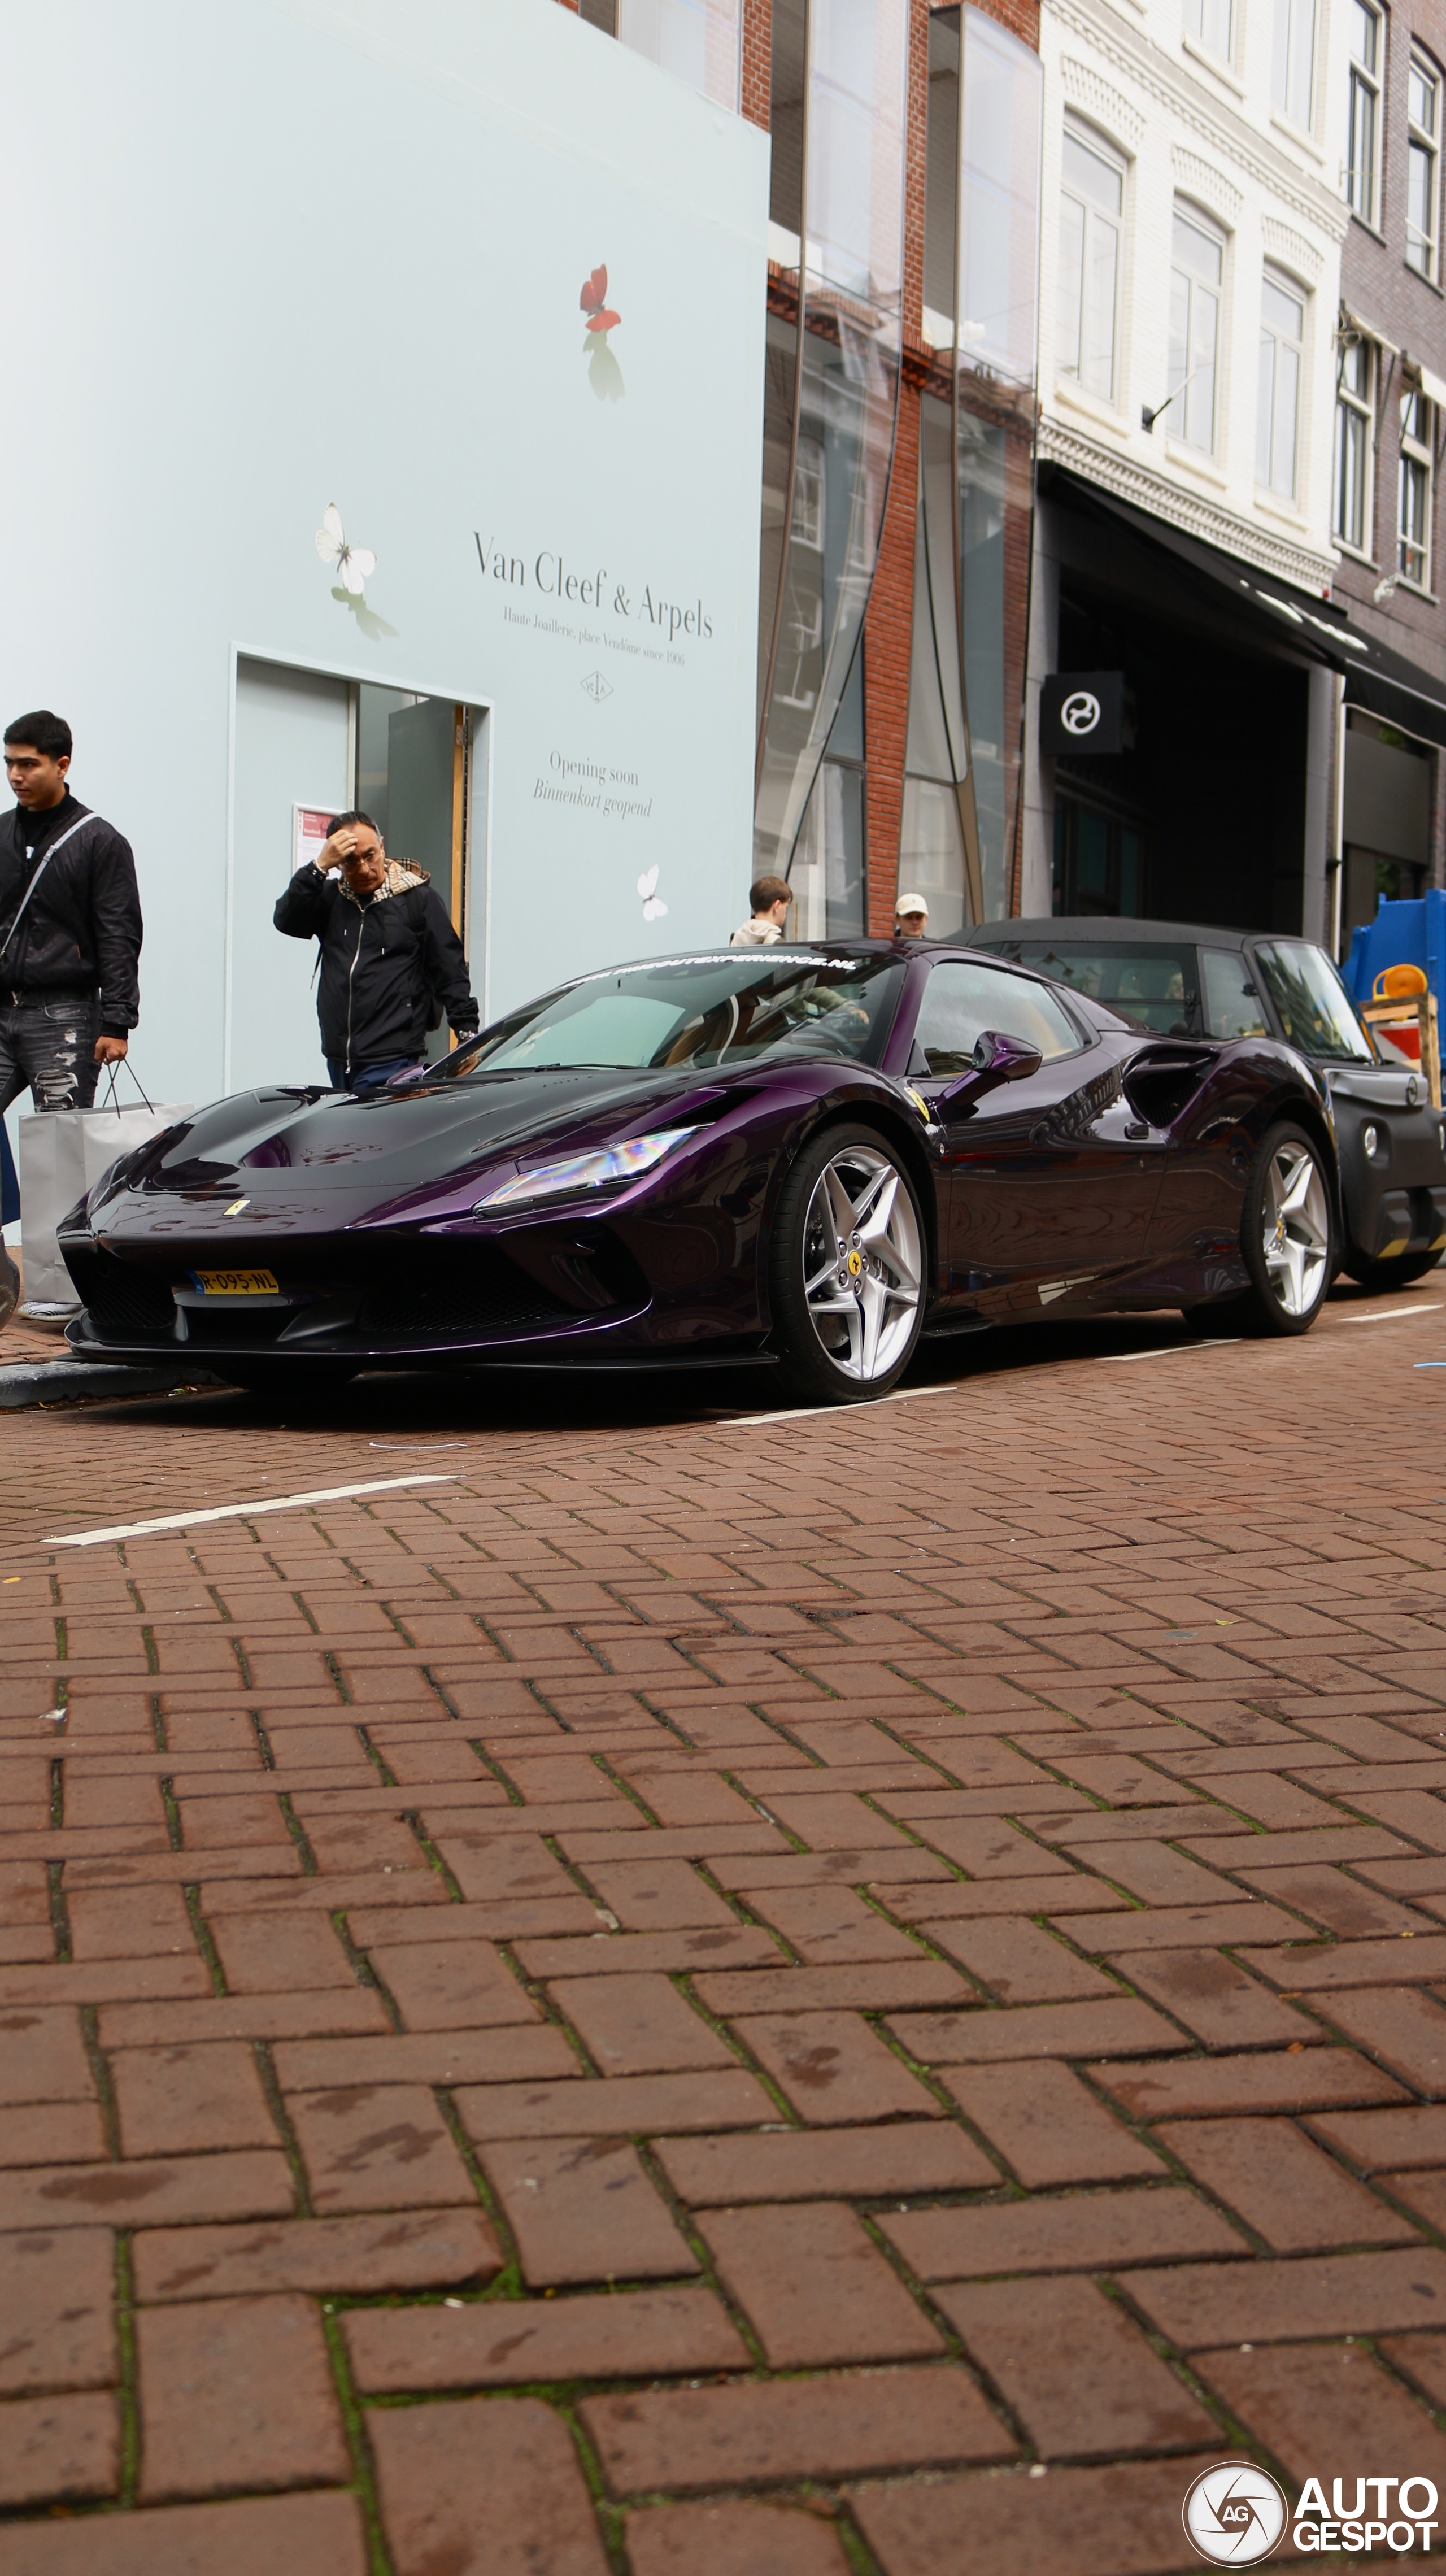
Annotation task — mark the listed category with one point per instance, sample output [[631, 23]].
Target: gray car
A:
[[1184, 981]]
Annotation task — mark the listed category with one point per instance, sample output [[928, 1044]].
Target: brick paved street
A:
[[726, 1998]]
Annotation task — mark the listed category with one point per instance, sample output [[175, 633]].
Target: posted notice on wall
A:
[[308, 833]]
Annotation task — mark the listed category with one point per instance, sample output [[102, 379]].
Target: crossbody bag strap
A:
[[46, 858]]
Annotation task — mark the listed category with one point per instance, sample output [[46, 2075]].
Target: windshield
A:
[[1150, 984], [1314, 1008], [738, 1007]]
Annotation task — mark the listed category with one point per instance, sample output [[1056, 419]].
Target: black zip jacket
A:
[[386, 959], [82, 926]]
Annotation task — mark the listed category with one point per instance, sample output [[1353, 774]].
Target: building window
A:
[[1417, 476], [1354, 416], [1423, 93], [1293, 65], [1367, 37], [1277, 418], [806, 525], [1208, 21], [1195, 277], [1093, 193]]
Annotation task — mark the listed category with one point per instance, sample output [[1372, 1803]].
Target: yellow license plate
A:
[[235, 1283]]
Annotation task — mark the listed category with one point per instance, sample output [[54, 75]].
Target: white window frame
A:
[[1184, 210], [1195, 16], [1358, 407], [1094, 220], [1423, 251], [1292, 71], [1367, 82], [1416, 472], [1290, 288]]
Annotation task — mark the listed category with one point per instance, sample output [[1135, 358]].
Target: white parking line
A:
[[1173, 1350], [823, 1413], [1397, 1315], [248, 1511]]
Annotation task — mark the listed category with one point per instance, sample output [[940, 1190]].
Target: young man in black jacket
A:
[[389, 956], [70, 928]]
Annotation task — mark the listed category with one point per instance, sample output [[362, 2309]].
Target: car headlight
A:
[[614, 1163]]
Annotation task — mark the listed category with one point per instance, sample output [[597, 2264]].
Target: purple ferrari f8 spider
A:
[[807, 1156]]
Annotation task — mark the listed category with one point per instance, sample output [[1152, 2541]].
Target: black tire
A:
[[1380, 1277], [847, 1305], [300, 1383], [1287, 1234]]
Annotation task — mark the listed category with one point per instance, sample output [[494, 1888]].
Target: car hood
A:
[[265, 1140]]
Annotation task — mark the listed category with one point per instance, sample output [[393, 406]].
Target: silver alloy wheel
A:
[[1296, 1232], [862, 1262]]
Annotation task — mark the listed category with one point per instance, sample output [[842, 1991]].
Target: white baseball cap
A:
[[910, 903]]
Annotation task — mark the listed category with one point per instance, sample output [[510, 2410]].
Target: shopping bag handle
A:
[[110, 1101]]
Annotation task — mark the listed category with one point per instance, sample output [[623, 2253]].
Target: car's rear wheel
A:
[[847, 1268], [1380, 1277], [1287, 1233]]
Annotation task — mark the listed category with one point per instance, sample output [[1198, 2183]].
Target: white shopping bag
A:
[[63, 1153]]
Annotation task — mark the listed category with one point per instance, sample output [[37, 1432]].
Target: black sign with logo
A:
[[1082, 711]]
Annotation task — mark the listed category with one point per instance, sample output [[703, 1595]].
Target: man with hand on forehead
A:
[[391, 962]]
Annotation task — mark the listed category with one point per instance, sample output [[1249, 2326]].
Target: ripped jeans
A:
[[48, 1041]]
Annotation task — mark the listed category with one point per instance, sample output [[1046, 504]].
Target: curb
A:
[[32, 1382]]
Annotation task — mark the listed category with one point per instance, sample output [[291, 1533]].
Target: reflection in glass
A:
[[683, 1012], [994, 422], [842, 418], [827, 875], [939, 847], [699, 40], [1151, 985], [1311, 1001]]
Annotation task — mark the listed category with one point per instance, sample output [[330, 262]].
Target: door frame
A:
[[477, 913]]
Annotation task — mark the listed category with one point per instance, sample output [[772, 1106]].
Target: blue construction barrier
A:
[[1412, 933]]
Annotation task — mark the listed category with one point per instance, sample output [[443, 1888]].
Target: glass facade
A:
[[698, 40], [840, 76], [996, 301], [976, 474]]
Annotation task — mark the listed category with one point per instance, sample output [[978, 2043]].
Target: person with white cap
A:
[[911, 916]]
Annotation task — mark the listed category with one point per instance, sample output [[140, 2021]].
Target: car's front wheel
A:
[[1380, 1277], [1287, 1232], [847, 1268]]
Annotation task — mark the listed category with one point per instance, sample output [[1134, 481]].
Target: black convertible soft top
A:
[[1096, 926]]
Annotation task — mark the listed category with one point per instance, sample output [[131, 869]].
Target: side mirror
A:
[[996, 1059]]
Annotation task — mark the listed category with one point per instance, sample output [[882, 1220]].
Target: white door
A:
[[292, 748]]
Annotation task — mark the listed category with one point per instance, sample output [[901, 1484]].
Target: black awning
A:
[[1381, 682]]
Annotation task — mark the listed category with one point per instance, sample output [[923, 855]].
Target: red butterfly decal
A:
[[593, 302]]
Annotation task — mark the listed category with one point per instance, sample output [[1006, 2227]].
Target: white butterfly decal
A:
[[353, 563], [653, 904]]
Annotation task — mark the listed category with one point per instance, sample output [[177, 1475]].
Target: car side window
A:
[[1232, 1005], [962, 999]]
